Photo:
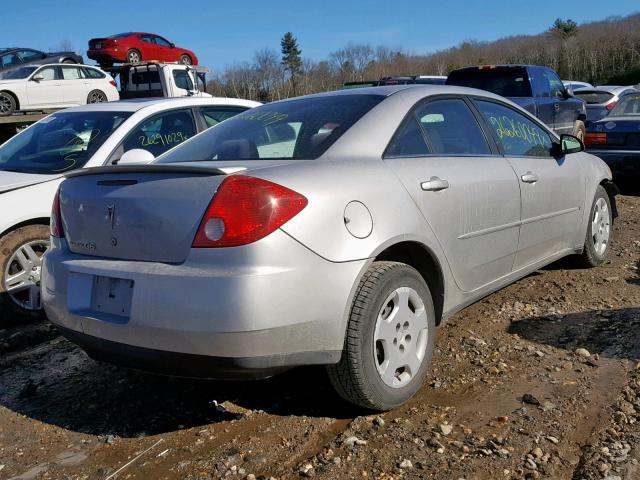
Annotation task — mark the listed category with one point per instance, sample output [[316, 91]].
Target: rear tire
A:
[[579, 130], [7, 104], [389, 340], [96, 96], [134, 56], [21, 251], [598, 239]]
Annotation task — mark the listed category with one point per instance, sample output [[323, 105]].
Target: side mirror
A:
[[568, 144], [172, 45], [568, 92], [136, 156], [37, 78]]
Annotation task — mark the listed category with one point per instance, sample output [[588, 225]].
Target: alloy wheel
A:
[[5, 104], [23, 272]]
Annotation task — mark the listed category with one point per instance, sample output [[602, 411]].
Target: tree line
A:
[[602, 52]]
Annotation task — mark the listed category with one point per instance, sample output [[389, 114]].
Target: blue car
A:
[[616, 137]]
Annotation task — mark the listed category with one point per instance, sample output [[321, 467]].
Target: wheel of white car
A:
[[390, 338], [21, 254], [599, 230], [134, 56], [7, 104], [185, 59], [96, 96]]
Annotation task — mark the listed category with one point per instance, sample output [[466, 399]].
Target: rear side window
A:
[[71, 73], [449, 128], [518, 135], [215, 115], [593, 97], [92, 73], [161, 132], [505, 81]]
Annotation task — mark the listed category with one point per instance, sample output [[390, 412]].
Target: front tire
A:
[[7, 104], [21, 254], [598, 239], [69, 61], [96, 96], [185, 60], [390, 338]]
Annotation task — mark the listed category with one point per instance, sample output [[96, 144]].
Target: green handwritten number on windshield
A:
[[509, 128]]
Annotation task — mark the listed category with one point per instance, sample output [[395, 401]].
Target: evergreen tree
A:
[[291, 58]]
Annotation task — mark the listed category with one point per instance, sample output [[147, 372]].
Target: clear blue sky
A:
[[223, 32]]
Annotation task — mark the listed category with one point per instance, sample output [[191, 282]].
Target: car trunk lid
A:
[[146, 213]]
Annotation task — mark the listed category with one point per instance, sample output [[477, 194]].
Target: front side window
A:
[[215, 115], [518, 135], [555, 84], [48, 73], [302, 128], [182, 79], [161, 132], [162, 42], [59, 142]]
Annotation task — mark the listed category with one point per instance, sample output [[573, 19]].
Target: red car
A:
[[134, 47]]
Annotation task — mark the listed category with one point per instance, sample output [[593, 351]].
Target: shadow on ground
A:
[[609, 333], [58, 384]]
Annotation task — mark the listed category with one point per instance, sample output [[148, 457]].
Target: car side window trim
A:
[[493, 146], [193, 110], [553, 136]]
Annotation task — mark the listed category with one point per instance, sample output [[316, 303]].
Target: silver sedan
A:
[[338, 229]]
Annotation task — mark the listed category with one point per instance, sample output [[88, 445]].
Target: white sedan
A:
[[33, 162], [54, 86]]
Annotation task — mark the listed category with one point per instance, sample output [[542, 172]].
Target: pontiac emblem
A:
[[111, 215]]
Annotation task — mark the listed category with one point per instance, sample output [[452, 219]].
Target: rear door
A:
[[74, 85], [47, 92], [467, 192], [552, 189]]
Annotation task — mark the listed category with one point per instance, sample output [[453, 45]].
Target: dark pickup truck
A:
[[536, 89]]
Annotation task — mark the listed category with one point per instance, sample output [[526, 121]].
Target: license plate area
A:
[[112, 296], [98, 45]]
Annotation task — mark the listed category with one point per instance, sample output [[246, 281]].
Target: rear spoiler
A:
[[156, 168]]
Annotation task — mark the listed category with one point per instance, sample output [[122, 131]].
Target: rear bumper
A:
[[191, 365], [620, 161], [112, 54], [268, 305]]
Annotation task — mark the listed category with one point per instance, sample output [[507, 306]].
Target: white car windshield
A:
[[59, 142]]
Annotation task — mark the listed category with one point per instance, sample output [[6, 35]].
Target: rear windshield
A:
[[294, 129], [121, 35], [629, 105], [60, 142], [593, 97], [508, 82]]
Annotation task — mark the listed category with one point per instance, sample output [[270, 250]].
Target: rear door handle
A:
[[529, 177], [434, 184]]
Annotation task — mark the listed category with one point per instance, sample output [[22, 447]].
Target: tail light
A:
[[487, 67], [592, 138], [56, 218], [611, 104], [113, 82], [244, 210]]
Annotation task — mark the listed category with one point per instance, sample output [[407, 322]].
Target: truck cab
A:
[[155, 79], [535, 88]]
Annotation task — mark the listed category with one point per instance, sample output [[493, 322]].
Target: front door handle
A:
[[529, 177], [556, 107], [434, 184]]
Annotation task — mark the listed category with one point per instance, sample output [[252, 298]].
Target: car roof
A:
[[134, 105]]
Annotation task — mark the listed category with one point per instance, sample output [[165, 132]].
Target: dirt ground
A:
[[539, 380]]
